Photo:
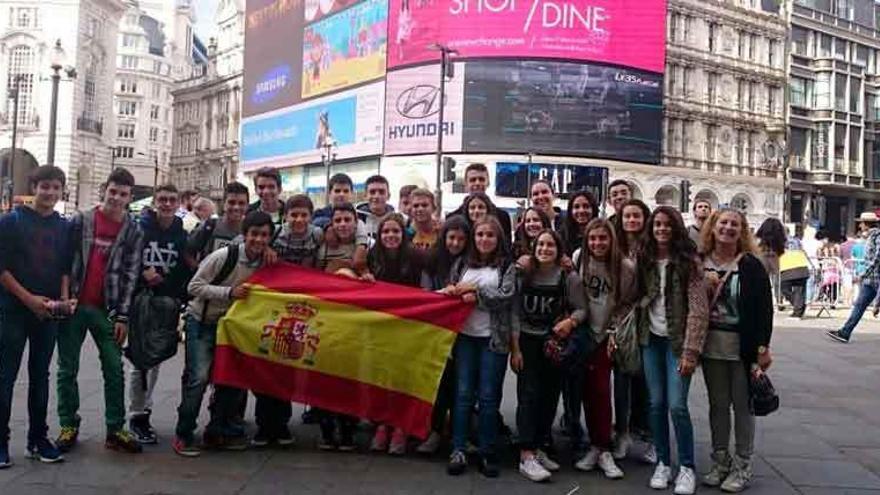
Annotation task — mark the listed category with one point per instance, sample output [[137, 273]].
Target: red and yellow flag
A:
[[370, 350]]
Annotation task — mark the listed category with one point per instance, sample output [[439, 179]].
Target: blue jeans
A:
[[668, 395], [867, 293], [201, 339], [17, 327], [479, 376]]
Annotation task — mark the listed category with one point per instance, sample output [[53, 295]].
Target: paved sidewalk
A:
[[824, 440]]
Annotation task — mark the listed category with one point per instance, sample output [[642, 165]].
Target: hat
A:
[[869, 216]]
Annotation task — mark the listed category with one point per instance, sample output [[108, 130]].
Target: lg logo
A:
[[419, 102]]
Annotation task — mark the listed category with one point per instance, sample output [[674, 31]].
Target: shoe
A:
[[609, 467], [67, 438], [622, 445], [212, 441], [237, 442], [661, 476], [589, 461], [185, 448], [5, 460], [836, 335], [533, 470], [430, 445], [44, 451], [471, 449], [398, 442], [261, 439], [686, 481], [739, 478], [649, 456], [142, 430], [346, 440], [489, 466], [284, 438], [545, 461], [719, 471], [380, 440], [457, 464], [123, 441]]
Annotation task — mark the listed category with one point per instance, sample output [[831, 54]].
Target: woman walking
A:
[[737, 344]]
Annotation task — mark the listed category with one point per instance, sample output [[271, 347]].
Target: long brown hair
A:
[[614, 260], [501, 254], [402, 267], [746, 242], [622, 239]]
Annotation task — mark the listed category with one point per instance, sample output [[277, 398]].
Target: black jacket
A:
[[755, 308]]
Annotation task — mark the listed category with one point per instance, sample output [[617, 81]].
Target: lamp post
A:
[[155, 170], [16, 81], [327, 158], [57, 59], [446, 70]]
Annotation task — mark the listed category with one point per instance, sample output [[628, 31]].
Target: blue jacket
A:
[[163, 250]]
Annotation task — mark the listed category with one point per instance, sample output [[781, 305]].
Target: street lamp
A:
[[155, 170], [327, 159], [57, 65], [16, 81], [446, 71]]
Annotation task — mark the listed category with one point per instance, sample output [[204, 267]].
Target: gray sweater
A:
[[217, 297], [495, 300]]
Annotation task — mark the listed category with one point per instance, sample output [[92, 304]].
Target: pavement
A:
[[825, 439]]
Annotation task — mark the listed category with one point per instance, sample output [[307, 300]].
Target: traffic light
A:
[[685, 202], [448, 169]]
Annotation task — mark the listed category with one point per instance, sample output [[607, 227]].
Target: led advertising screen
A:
[[621, 32], [318, 9], [345, 48], [412, 110], [563, 108], [351, 120], [512, 179], [271, 68]]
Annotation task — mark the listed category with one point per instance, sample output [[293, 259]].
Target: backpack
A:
[[225, 270], [153, 336]]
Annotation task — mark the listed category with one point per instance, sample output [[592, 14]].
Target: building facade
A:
[[724, 107], [207, 111], [86, 31], [834, 112], [151, 55]]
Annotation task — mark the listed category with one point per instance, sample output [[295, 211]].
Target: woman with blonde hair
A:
[[737, 343]]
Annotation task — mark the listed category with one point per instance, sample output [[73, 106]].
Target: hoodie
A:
[[163, 250], [371, 220]]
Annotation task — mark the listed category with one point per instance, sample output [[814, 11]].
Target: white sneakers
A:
[[533, 470], [545, 461], [589, 461], [430, 445], [622, 445], [604, 460], [661, 476], [649, 456]]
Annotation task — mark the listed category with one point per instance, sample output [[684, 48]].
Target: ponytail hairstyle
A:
[[614, 260]]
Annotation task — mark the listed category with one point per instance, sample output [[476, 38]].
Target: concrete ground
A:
[[824, 440]]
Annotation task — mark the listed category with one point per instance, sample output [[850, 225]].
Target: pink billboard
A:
[[622, 32]]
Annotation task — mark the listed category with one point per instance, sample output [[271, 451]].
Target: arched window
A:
[[668, 196], [20, 76], [742, 203], [709, 196]]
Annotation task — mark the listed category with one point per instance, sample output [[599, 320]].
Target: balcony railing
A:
[[87, 124]]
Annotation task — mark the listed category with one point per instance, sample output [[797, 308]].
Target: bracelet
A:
[[762, 349]]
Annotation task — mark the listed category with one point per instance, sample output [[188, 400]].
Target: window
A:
[[741, 93], [672, 73], [129, 40], [131, 20], [771, 99], [742, 39], [127, 108], [27, 17], [861, 56], [21, 76], [840, 92], [129, 62], [154, 134], [845, 9], [154, 112], [711, 86], [90, 91], [799, 143], [799, 37], [673, 26], [156, 90], [823, 90], [222, 135], [753, 43], [157, 67], [687, 77], [123, 152], [839, 141], [855, 95], [125, 131], [93, 27], [799, 92], [840, 49], [753, 95], [772, 46], [711, 140], [820, 146], [713, 35], [750, 148], [824, 45], [688, 28], [128, 85], [855, 144]]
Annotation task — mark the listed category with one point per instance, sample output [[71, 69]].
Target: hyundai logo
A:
[[419, 102]]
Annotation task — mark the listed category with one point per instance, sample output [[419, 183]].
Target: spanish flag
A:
[[370, 350]]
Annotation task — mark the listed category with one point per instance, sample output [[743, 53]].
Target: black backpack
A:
[[153, 336]]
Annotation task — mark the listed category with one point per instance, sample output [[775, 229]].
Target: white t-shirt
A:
[[657, 311], [479, 324]]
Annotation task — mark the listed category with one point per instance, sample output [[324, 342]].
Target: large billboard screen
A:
[[563, 108], [345, 48], [350, 120], [271, 67], [412, 110], [621, 32]]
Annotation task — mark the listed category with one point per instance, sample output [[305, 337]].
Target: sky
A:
[[205, 10]]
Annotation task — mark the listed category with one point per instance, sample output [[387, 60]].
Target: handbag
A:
[[627, 354], [569, 353], [763, 399]]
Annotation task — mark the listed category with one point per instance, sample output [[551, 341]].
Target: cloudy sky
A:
[[205, 10]]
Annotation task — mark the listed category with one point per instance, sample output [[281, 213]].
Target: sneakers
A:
[[622, 445], [533, 470], [545, 461], [5, 461], [430, 445], [261, 439], [284, 438], [489, 466], [238, 442], [67, 438], [457, 464], [185, 448], [380, 439], [142, 429], [719, 471], [836, 335], [346, 440], [661, 476], [398, 442], [589, 461], [686, 481], [649, 456], [44, 451], [739, 478], [609, 467], [122, 441]]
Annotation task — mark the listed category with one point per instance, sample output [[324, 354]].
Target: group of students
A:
[[558, 277]]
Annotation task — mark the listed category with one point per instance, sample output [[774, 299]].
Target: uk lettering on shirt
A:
[[540, 304], [161, 258]]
